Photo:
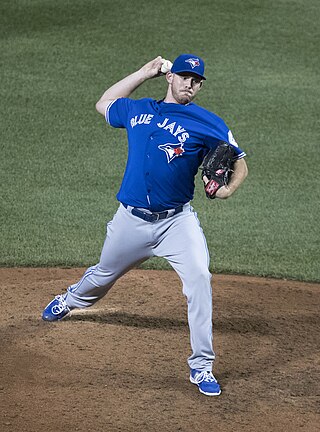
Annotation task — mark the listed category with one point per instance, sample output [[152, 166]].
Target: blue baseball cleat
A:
[[56, 309], [206, 382]]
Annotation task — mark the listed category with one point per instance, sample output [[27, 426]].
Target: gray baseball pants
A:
[[180, 240]]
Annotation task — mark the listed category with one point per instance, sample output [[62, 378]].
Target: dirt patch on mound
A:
[[121, 365]]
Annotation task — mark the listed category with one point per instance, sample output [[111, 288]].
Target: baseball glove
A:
[[217, 167]]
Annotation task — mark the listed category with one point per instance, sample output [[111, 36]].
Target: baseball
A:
[[166, 66]]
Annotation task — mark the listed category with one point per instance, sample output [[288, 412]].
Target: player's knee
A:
[[199, 280], [201, 272]]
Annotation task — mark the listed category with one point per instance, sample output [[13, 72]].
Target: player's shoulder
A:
[[205, 112], [132, 105], [207, 115], [131, 101], [138, 104], [140, 101]]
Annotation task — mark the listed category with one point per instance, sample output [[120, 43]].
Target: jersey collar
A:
[[161, 106]]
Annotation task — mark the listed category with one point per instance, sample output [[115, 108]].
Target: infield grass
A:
[[61, 166]]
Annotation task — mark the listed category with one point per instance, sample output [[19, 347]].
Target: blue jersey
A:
[[166, 145]]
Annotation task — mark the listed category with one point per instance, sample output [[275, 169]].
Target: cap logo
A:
[[193, 62]]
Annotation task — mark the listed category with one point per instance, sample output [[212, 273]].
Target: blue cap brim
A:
[[189, 72]]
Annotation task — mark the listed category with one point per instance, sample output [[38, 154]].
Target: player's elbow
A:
[[103, 104], [100, 107]]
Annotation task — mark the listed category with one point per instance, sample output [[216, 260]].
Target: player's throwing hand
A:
[[152, 69]]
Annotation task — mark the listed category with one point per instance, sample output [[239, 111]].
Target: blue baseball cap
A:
[[189, 63]]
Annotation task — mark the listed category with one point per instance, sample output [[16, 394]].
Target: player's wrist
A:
[[224, 192], [230, 188], [140, 75], [144, 75]]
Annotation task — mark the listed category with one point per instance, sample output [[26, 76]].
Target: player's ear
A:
[[201, 82], [169, 77]]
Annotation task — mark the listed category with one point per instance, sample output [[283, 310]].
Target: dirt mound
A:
[[121, 365]]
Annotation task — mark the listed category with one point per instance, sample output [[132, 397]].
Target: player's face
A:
[[184, 87]]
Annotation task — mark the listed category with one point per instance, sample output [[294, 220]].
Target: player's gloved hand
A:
[[223, 192], [216, 171]]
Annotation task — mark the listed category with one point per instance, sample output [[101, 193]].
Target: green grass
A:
[[61, 166]]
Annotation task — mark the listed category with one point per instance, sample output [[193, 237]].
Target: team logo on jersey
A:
[[193, 62], [172, 150]]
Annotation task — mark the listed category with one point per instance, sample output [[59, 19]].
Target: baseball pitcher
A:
[[168, 141]]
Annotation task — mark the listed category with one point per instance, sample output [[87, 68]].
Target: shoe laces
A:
[[61, 306], [205, 376]]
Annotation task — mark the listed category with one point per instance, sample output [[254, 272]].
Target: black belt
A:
[[155, 216]]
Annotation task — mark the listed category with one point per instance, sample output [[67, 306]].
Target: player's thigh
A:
[[183, 242], [127, 241]]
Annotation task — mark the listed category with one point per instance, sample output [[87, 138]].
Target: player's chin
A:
[[185, 98]]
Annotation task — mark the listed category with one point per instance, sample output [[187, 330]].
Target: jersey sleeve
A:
[[117, 112], [239, 153], [220, 132]]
